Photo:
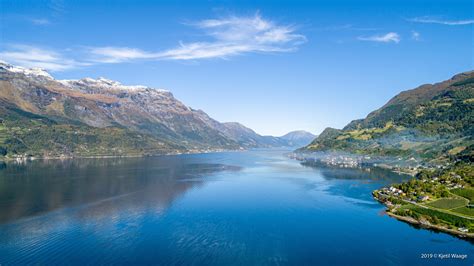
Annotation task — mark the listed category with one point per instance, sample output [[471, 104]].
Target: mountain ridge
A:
[[430, 125], [77, 110]]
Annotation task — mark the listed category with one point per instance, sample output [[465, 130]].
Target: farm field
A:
[[448, 203], [467, 193]]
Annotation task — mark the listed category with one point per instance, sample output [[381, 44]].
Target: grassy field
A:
[[448, 203], [368, 133], [464, 210], [467, 193], [446, 217]]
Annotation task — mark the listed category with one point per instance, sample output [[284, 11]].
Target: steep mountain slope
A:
[[248, 138], [438, 97], [430, 123], [24, 133], [298, 138], [103, 103], [137, 119]]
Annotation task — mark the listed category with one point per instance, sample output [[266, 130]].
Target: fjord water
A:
[[236, 208]]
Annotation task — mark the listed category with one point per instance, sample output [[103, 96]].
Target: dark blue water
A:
[[242, 208]]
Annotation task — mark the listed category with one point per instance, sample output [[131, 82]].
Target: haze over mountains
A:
[[299, 138], [433, 123], [42, 116]]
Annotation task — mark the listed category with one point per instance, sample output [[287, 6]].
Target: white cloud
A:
[[203, 50], [40, 21], [443, 22], [346, 27], [30, 56], [389, 37], [250, 30], [118, 54], [415, 35], [231, 36]]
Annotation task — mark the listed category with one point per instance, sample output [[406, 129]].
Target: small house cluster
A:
[[393, 191], [342, 161], [452, 181]]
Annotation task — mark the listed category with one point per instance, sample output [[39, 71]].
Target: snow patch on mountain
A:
[[100, 83], [38, 72], [107, 84]]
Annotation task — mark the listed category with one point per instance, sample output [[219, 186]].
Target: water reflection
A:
[[357, 184], [43, 186], [167, 211], [375, 173]]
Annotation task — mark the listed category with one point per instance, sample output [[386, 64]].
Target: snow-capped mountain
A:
[[103, 104], [32, 72]]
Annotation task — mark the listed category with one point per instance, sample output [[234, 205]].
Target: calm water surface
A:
[[241, 208]]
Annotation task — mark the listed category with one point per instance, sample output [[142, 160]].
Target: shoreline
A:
[[352, 163], [67, 157], [408, 220], [398, 170], [430, 226], [413, 221]]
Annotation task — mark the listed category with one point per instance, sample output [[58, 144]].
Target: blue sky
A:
[[274, 66]]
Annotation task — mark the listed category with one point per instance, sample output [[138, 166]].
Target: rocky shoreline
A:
[[430, 226], [413, 221]]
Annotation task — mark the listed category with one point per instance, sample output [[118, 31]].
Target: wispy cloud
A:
[[112, 54], [440, 21], [389, 37], [30, 56], [345, 27], [57, 8], [230, 36], [40, 21], [415, 35]]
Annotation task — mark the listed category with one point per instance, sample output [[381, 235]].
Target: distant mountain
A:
[[432, 123], [41, 116], [249, 139], [298, 138]]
